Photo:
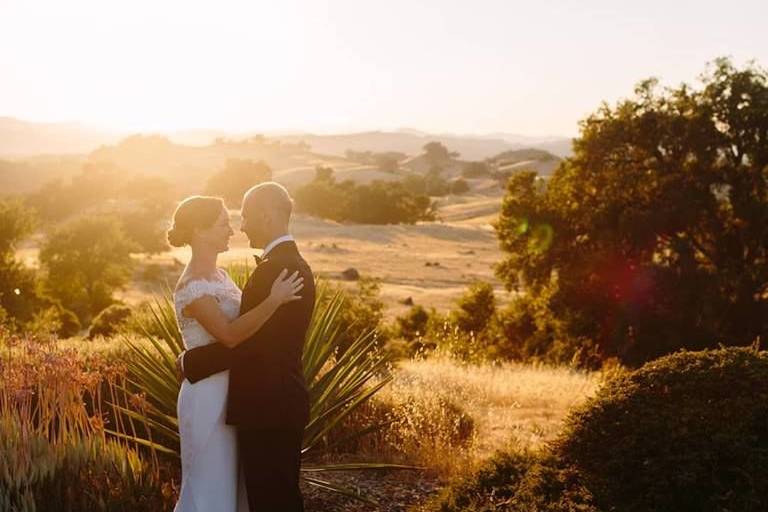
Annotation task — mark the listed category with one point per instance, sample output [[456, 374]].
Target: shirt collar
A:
[[274, 243]]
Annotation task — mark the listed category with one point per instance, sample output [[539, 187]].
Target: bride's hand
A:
[[284, 289]]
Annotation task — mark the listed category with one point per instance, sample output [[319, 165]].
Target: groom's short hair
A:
[[272, 195]]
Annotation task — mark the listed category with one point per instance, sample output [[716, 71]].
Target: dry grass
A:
[[448, 415]]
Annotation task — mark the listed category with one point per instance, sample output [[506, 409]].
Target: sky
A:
[[442, 66]]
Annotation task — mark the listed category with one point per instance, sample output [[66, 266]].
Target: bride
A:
[[207, 306]]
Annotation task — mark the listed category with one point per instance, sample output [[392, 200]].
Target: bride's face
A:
[[217, 236]]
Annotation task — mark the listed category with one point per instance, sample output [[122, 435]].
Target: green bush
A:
[[85, 261], [476, 308], [375, 203], [363, 312], [55, 319], [516, 481], [413, 324], [685, 432], [528, 330], [109, 321], [459, 187]]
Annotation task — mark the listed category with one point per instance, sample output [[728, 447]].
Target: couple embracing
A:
[[243, 403]]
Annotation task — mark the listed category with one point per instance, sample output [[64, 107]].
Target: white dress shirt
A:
[[274, 243]]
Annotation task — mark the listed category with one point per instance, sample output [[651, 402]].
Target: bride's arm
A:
[[232, 332]]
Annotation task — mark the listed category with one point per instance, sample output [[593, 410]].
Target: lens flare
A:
[[541, 238], [521, 226]]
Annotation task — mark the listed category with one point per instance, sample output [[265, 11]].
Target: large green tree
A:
[[85, 261], [653, 236]]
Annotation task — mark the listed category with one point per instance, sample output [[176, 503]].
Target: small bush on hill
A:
[[363, 312], [54, 320], [109, 321], [459, 187], [413, 324], [375, 203], [476, 308]]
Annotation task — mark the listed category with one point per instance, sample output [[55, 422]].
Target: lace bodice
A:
[[223, 289]]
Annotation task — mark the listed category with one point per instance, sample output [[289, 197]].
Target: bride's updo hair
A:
[[194, 212]]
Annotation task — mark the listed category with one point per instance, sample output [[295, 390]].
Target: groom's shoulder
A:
[[274, 265]]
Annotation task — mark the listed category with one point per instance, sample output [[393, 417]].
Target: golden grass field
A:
[[515, 403]]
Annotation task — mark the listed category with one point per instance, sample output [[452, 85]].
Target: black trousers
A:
[[271, 459]]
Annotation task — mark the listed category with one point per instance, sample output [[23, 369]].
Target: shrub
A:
[[684, 432], [109, 321], [86, 260], [322, 197], [375, 203], [363, 312], [431, 184], [459, 187], [476, 308], [413, 324], [527, 329], [54, 320], [69, 324], [516, 480], [387, 203]]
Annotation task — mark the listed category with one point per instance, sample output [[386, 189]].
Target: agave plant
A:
[[338, 384]]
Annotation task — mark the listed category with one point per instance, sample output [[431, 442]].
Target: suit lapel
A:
[[252, 289], [258, 286]]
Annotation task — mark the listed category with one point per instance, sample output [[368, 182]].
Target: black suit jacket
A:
[[266, 378]]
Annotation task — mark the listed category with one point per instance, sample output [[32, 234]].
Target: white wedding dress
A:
[[210, 479]]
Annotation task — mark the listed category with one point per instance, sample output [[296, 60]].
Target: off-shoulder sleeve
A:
[[195, 289]]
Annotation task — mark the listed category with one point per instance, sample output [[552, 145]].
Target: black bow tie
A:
[[258, 259]]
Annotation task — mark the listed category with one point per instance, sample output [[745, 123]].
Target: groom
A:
[[267, 400]]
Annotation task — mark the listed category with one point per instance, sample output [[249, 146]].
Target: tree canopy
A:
[[654, 235], [85, 261]]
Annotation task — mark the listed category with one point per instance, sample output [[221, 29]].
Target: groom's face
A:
[[254, 223]]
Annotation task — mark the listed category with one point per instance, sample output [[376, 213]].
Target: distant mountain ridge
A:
[[469, 147], [22, 138]]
